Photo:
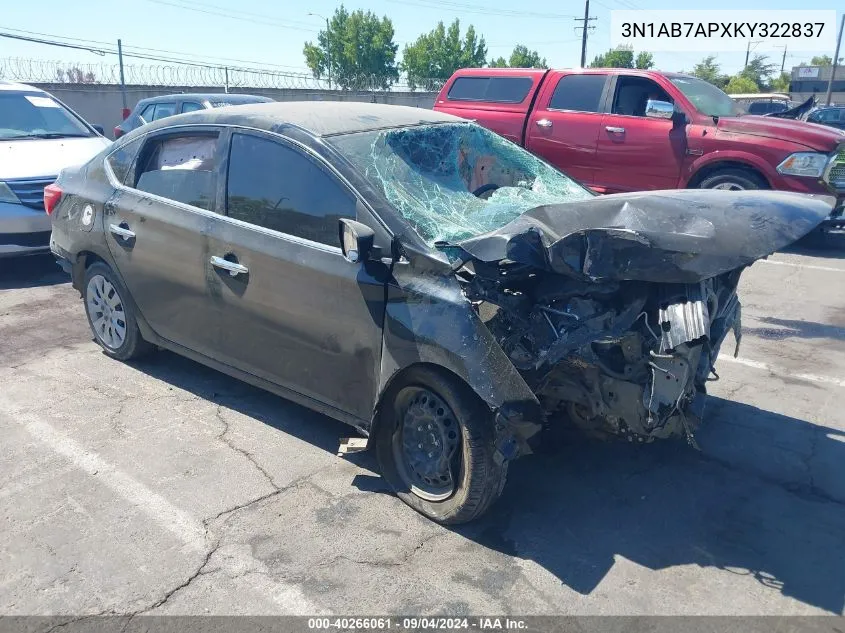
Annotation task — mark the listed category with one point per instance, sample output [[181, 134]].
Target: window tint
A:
[[277, 187], [191, 106], [581, 93], [164, 110], [491, 89], [180, 168], [147, 113], [828, 116], [121, 160], [633, 93]]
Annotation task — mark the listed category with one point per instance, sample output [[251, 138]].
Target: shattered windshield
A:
[[452, 181]]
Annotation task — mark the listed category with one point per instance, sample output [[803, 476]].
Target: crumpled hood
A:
[[812, 135], [39, 158], [677, 236]]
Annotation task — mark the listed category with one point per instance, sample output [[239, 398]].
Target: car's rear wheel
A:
[[434, 443], [111, 315], [733, 180]]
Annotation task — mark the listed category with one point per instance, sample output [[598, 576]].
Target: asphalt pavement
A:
[[162, 486]]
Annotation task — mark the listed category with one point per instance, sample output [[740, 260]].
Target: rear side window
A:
[[180, 168], [277, 187], [191, 106], [164, 110], [581, 93], [490, 89], [147, 113], [120, 161]]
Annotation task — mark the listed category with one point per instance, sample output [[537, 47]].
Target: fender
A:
[[733, 156]]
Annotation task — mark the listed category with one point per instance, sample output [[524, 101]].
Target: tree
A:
[[499, 62], [434, 56], [75, 75], [759, 71], [521, 57], [822, 60], [356, 52], [781, 83], [623, 58], [740, 84], [708, 70]]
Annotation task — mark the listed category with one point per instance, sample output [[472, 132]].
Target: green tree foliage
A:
[[781, 83], [499, 62], [821, 60], [434, 56], [740, 84], [708, 70], [760, 71], [521, 57], [623, 58], [356, 52]]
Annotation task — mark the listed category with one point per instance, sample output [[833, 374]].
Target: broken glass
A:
[[452, 181]]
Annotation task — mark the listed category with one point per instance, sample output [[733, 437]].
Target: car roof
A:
[[320, 118], [16, 87]]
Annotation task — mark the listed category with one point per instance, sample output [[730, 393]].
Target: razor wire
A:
[[197, 75]]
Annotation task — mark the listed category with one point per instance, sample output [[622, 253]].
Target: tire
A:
[[476, 479], [733, 180], [119, 335]]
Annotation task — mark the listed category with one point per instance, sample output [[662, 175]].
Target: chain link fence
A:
[[103, 73]]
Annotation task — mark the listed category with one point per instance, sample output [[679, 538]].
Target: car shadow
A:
[[793, 328], [763, 498], [30, 272], [831, 245]]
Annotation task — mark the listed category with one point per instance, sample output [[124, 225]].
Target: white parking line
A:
[[807, 266], [756, 364]]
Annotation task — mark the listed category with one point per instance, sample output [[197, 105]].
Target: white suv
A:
[[39, 136]]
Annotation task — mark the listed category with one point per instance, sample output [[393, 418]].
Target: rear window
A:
[[581, 93], [490, 89], [180, 168]]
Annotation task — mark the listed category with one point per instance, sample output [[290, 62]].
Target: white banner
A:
[[713, 30]]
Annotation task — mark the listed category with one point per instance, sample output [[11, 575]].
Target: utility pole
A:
[[226, 86], [328, 45], [835, 60], [748, 51], [125, 112], [783, 61], [586, 20]]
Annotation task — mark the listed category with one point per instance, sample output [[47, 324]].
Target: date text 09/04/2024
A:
[[417, 623]]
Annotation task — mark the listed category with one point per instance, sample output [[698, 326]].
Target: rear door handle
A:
[[615, 130], [122, 231], [543, 123], [234, 268]]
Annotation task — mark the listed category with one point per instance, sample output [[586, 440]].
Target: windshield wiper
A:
[[45, 135]]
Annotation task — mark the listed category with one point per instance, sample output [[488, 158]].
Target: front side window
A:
[[180, 168], [580, 93], [707, 98], [36, 115], [633, 93], [279, 188]]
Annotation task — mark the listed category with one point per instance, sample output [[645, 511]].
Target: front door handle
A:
[[543, 123], [122, 231], [234, 268], [615, 130]]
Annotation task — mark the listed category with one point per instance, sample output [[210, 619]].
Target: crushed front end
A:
[[627, 358]]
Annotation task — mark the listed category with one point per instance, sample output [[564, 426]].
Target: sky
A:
[[273, 33]]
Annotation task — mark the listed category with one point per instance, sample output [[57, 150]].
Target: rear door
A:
[[156, 227], [635, 152], [294, 310], [499, 102], [564, 125]]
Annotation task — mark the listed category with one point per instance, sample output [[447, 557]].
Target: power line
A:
[[266, 21], [479, 9]]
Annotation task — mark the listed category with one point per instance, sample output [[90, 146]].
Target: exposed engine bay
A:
[[626, 358]]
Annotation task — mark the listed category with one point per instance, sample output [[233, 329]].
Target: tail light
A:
[[118, 132], [52, 195]]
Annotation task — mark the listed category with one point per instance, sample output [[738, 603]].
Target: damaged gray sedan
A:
[[437, 287]]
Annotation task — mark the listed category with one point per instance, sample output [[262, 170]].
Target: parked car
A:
[[155, 108], [763, 103], [38, 136], [417, 276], [632, 130], [834, 116]]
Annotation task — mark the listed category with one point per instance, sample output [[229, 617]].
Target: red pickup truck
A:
[[630, 130]]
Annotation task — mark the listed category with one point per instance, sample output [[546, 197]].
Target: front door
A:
[[156, 225], [635, 152], [293, 310]]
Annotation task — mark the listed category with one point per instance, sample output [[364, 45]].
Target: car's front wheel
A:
[[110, 315], [434, 443], [733, 180]]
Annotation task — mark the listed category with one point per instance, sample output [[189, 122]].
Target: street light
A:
[[328, 44]]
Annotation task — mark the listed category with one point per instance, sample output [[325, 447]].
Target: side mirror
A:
[[655, 109], [99, 130], [356, 240]]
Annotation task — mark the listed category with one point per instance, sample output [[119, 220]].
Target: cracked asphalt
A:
[[165, 487]]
